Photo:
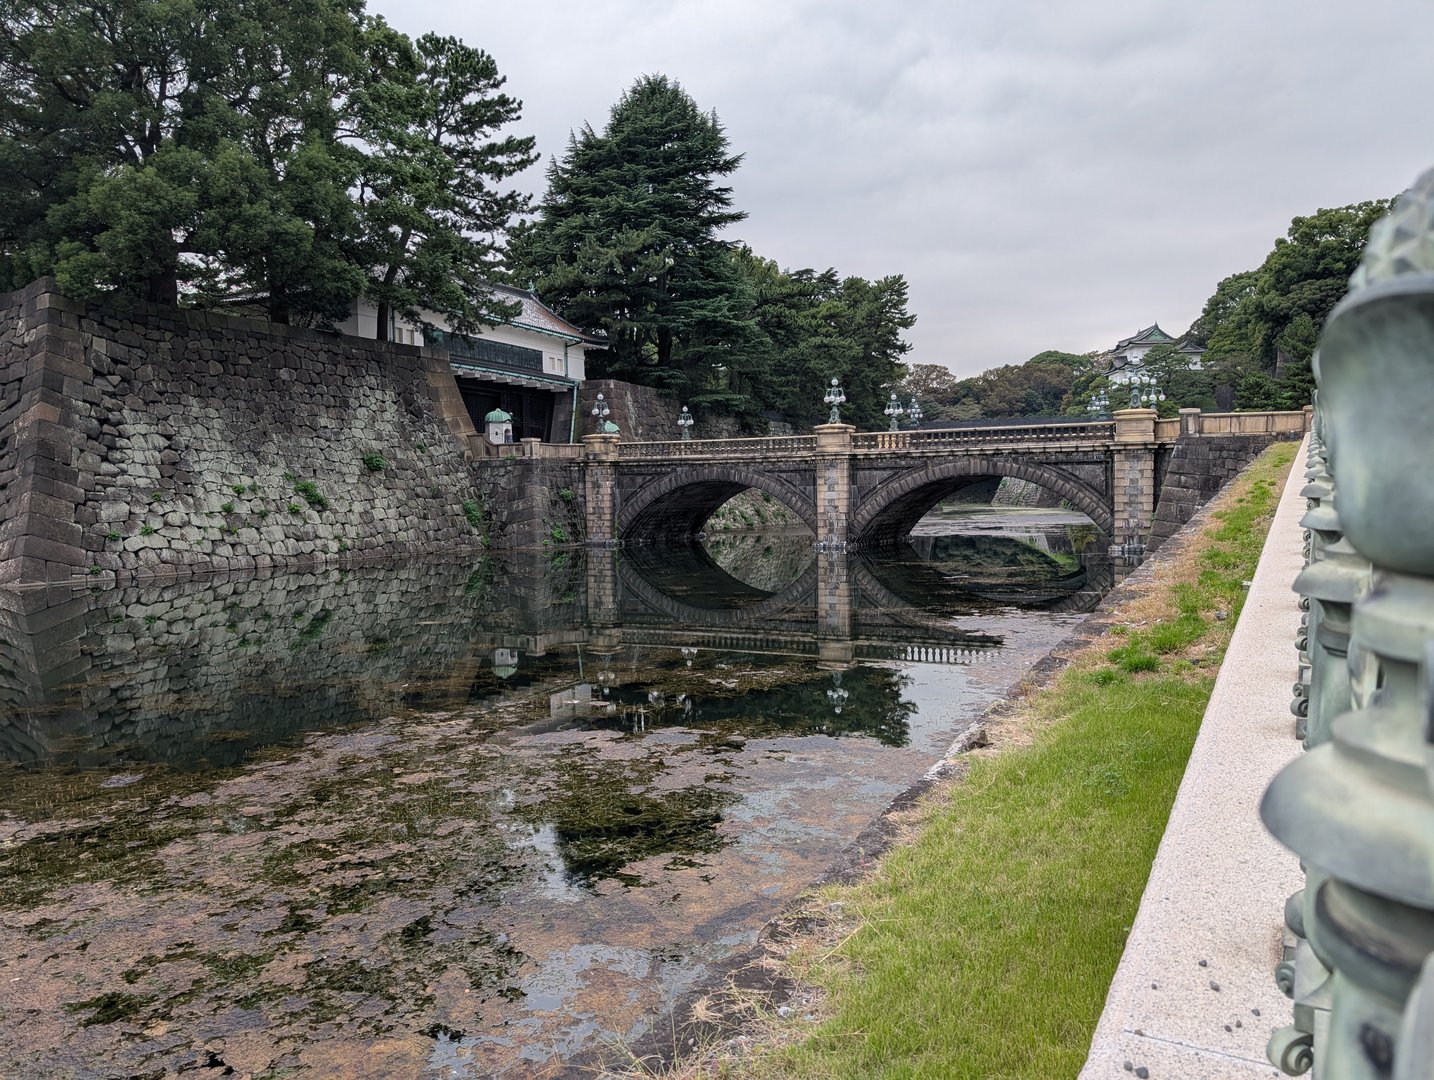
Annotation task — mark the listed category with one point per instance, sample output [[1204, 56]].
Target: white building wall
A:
[[560, 358], [363, 322]]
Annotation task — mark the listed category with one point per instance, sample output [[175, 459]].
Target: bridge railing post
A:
[[1358, 807], [1190, 421]]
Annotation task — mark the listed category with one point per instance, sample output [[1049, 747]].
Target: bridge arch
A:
[[677, 504], [888, 512]]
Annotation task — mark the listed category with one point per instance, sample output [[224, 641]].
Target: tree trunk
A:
[[278, 304], [163, 287], [664, 347]]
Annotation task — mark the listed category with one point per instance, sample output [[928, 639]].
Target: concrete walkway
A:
[[1194, 996]]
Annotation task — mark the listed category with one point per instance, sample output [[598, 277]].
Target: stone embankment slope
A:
[[1194, 996]]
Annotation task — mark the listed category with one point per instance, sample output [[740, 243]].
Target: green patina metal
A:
[[1358, 808]]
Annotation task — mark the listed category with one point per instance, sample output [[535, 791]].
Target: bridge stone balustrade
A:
[[1137, 477]]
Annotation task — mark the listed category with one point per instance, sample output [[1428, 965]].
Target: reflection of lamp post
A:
[[836, 399], [689, 654], [914, 414], [684, 423], [895, 411], [505, 662], [836, 695]]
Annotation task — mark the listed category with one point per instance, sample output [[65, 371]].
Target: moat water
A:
[[468, 819]]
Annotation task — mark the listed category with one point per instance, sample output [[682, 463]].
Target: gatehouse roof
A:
[[536, 315], [1151, 335]]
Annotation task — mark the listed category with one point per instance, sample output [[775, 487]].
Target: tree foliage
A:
[[1042, 386], [812, 327], [176, 142], [1184, 386], [1260, 326], [933, 385], [431, 217], [235, 151]]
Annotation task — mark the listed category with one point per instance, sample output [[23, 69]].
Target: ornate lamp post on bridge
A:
[[1099, 404], [836, 399], [914, 413], [601, 412], [1144, 391], [684, 424], [895, 411]]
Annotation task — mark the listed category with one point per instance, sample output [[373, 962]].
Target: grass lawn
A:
[[984, 945]]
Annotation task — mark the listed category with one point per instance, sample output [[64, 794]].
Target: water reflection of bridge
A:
[[213, 668], [756, 643]]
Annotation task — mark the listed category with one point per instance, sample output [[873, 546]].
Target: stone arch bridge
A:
[[1137, 477]]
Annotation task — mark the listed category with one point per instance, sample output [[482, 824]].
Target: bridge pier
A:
[[600, 488], [833, 485], [1133, 480]]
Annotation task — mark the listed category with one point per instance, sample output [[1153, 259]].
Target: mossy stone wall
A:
[[156, 441]]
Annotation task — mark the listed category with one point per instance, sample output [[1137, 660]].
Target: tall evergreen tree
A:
[[432, 214], [281, 212], [815, 327], [107, 115], [627, 244], [285, 152]]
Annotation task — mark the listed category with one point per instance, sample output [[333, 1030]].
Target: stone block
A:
[[52, 552]]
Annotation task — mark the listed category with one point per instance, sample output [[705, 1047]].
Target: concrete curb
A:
[[1194, 996]]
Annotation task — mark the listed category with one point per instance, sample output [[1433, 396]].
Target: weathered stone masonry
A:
[[162, 668], [1199, 465], [156, 441]]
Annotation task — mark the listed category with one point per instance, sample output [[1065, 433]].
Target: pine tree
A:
[[627, 243], [432, 215], [161, 143]]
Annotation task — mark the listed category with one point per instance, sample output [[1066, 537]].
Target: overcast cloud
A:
[[1045, 174]]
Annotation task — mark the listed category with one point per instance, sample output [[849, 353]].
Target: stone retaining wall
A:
[[532, 502], [644, 415], [162, 441], [1022, 493], [17, 350], [1197, 468]]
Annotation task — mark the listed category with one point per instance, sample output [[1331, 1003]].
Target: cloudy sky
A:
[[1045, 173]]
